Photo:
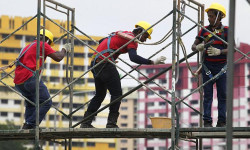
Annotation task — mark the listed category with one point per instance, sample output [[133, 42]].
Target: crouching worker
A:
[[106, 75], [25, 80]]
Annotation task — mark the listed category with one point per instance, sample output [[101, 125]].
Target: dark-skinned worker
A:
[[214, 60], [25, 79], [106, 75]]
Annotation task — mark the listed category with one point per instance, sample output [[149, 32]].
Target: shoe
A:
[[84, 125], [111, 126], [27, 126], [221, 124], [112, 120], [207, 124]]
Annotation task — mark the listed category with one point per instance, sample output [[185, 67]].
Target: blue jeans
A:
[[208, 92], [106, 78], [28, 90]]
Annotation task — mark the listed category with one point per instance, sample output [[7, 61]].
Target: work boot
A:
[[87, 123], [28, 126], [221, 124], [112, 120], [208, 123]]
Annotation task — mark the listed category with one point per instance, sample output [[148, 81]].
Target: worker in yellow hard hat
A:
[[106, 75], [25, 76], [214, 60]]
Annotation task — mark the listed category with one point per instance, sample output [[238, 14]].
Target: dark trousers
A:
[[28, 90], [208, 92], [106, 78]]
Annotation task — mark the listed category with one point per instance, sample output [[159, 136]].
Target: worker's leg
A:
[[221, 94], [113, 83], [97, 100], [208, 99], [29, 86], [29, 108]]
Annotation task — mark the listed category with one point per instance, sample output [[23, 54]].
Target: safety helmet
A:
[[218, 7], [145, 25], [48, 34]]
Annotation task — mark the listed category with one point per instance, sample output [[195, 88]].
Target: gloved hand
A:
[[160, 60], [200, 47], [212, 51], [67, 47]]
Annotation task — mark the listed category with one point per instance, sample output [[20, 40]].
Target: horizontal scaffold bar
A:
[[188, 133]]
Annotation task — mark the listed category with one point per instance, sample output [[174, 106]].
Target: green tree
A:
[[11, 144]]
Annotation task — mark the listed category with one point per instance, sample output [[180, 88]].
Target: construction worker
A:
[[25, 79], [106, 75], [214, 60]]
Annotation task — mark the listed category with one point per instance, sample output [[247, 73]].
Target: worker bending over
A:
[[106, 75]]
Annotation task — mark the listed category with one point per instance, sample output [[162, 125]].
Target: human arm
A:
[[138, 59], [59, 55]]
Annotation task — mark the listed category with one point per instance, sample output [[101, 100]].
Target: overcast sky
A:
[[101, 17]]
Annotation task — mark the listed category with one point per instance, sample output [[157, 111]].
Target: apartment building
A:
[[149, 104], [12, 105]]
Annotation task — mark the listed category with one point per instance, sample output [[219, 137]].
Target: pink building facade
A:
[[149, 104]]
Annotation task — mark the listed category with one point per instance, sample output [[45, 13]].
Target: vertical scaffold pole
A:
[[71, 70], [173, 77], [230, 78], [37, 74]]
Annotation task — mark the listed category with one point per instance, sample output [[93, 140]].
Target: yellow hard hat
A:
[[49, 35], [218, 7], [145, 25]]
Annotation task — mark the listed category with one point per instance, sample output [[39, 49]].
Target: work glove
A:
[[159, 60], [200, 47], [67, 47], [212, 51]]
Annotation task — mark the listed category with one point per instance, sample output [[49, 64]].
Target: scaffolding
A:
[[175, 133]]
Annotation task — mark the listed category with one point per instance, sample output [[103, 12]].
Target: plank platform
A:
[[62, 133]]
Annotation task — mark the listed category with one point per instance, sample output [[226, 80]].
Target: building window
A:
[[124, 108], [54, 79], [162, 103], [248, 111], [54, 66], [194, 113], [18, 37], [4, 101], [150, 93], [150, 148], [4, 114], [124, 141], [150, 104], [124, 124], [124, 100], [17, 114], [17, 102], [78, 144], [90, 80], [162, 81], [91, 144], [162, 92], [194, 124], [162, 114], [207, 147], [124, 149], [162, 148], [5, 62], [149, 71], [124, 116], [194, 102], [111, 144]]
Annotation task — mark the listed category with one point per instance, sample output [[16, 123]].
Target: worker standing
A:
[[214, 60], [25, 77], [106, 75]]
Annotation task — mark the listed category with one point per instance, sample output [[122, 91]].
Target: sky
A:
[[101, 17]]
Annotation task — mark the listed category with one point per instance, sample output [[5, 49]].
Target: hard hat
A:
[[145, 25], [48, 34], [218, 7]]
